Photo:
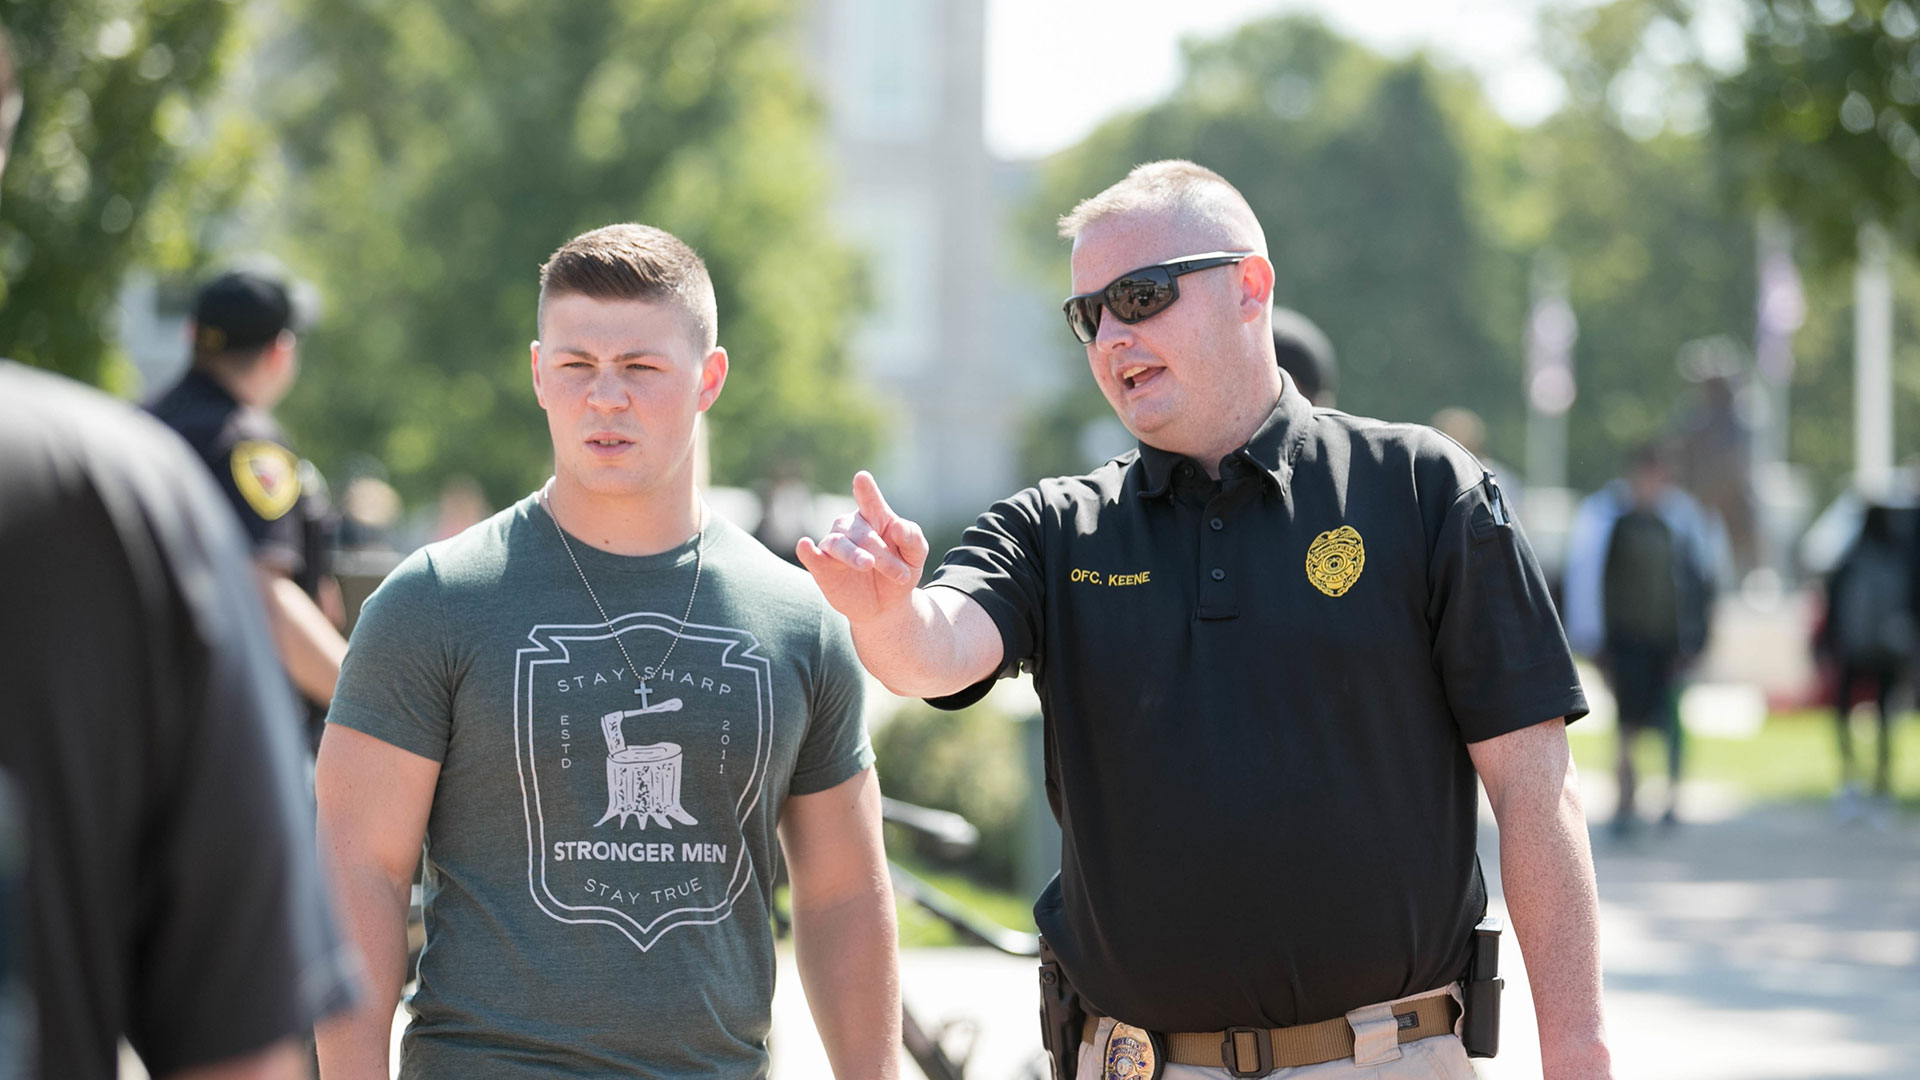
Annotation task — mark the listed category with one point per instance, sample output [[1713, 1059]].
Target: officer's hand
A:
[[868, 565]]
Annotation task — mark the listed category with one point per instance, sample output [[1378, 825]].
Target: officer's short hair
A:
[[1204, 199], [11, 100], [635, 262]]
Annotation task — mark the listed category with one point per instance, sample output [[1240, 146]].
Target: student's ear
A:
[[713, 377]]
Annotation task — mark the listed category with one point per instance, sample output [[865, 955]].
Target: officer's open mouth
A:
[[1137, 374]]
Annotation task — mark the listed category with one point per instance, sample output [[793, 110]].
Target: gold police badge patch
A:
[[267, 475], [1335, 559]]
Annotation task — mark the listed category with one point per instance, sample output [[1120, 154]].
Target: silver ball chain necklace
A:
[[699, 544]]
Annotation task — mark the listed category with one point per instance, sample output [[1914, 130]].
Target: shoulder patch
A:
[[267, 475]]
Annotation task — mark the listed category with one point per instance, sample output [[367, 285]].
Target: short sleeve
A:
[[998, 565], [396, 682], [836, 746], [261, 478], [1498, 643]]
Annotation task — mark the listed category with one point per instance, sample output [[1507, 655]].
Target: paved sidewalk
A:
[[1773, 944], [1751, 944]]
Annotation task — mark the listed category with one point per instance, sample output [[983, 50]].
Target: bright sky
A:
[[1056, 68]]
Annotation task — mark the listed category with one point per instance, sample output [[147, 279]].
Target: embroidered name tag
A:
[[1095, 577]]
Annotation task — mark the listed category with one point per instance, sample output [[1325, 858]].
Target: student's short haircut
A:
[[1200, 198], [635, 262]]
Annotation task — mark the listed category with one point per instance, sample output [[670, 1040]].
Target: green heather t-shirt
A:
[[601, 850]]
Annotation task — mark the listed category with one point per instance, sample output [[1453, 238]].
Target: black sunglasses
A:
[[1139, 294]]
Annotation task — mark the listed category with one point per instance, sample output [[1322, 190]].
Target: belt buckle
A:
[[1263, 1046]]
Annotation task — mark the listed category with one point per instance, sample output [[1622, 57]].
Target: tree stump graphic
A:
[[643, 782]]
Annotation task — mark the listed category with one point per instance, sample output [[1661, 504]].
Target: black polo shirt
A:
[[279, 498], [1259, 694]]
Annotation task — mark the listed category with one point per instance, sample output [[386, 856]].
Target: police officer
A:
[[244, 361], [1274, 646]]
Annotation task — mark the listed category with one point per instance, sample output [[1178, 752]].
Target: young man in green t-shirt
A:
[[606, 712]]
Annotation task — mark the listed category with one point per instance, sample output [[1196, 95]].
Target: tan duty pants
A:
[[1441, 1057]]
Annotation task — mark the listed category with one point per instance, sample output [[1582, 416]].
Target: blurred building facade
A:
[[948, 343]]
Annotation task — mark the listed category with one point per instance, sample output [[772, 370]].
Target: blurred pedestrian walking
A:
[[1642, 567], [1869, 636]]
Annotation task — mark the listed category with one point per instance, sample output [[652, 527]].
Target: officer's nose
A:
[[1111, 333]]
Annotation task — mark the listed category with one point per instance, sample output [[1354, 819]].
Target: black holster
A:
[[1061, 1017], [1480, 1023]]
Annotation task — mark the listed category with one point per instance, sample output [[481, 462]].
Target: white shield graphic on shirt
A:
[[659, 857]]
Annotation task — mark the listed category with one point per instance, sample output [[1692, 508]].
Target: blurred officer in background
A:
[[244, 362], [158, 880], [1306, 355]]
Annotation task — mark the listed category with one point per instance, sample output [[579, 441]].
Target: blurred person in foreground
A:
[[1642, 562], [1306, 355], [245, 360], [1273, 647], [169, 892], [608, 712], [1869, 637]]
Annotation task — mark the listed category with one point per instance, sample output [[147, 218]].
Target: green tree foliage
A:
[[93, 185], [1822, 120], [441, 149]]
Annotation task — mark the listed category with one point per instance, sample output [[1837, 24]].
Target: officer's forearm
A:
[[309, 646], [1546, 871], [939, 643]]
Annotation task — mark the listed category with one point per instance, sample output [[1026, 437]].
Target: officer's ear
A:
[[283, 354], [1256, 287]]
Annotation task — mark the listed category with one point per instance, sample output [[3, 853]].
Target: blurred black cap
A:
[[241, 310], [1304, 352]]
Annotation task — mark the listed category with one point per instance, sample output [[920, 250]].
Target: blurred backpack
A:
[[1870, 617]]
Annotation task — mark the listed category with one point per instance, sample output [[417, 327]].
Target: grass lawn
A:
[[919, 927], [1795, 757]]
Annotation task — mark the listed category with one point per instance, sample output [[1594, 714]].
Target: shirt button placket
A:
[[1216, 596]]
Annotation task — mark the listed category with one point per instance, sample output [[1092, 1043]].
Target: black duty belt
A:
[[1253, 1051]]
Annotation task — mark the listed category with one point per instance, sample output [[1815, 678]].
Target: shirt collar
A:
[[1270, 451], [206, 385]]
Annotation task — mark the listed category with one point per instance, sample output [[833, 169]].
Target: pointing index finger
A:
[[873, 505]]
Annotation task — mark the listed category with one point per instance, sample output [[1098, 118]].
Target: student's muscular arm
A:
[[918, 642], [1546, 871], [374, 799], [843, 925]]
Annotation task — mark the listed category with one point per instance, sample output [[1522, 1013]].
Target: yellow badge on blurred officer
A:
[[267, 475]]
